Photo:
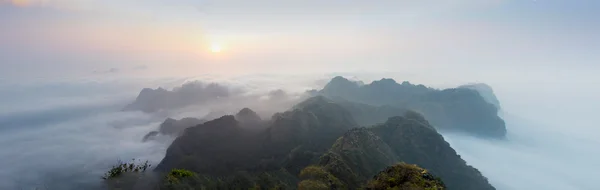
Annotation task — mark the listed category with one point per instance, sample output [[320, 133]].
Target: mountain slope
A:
[[457, 110], [291, 140], [415, 142], [317, 132], [361, 153]]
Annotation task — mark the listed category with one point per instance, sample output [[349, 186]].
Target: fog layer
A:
[[64, 135]]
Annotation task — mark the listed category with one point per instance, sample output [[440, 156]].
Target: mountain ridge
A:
[[321, 133], [455, 110]]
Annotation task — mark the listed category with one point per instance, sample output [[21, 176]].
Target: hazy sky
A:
[[72, 38], [542, 57]]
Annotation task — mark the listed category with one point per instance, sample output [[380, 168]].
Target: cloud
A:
[[113, 70], [533, 157], [81, 149], [108, 71], [65, 134]]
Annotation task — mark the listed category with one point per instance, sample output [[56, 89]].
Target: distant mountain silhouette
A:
[[152, 100], [249, 118], [174, 127], [485, 91], [456, 109]]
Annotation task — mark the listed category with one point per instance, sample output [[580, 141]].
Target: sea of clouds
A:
[[66, 134]]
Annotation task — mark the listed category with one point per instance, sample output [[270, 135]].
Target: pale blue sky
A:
[[63, 38]]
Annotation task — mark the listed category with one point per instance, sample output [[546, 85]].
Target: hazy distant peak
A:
[[225, 121], [485, 91], [151, 100], [169, 121], [246, 111], [146, 90], [313, 101], [480, 85], [247, 115], [150, 90], [175, 127], [339, 78], [189, 119], [385, 81], [341, 82], [278, 94]]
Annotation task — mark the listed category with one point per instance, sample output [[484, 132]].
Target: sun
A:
[[215, 48]]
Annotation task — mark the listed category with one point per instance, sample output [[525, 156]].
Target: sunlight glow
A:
[[215, 48]]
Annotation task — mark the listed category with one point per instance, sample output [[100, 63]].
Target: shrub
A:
[[404, 176], [315, 177], [175, 175], [126, 167]]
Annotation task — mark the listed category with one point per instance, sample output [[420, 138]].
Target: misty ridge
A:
[[251, 139], [372, 103], [299, 94], [346, 130], [197, 93]]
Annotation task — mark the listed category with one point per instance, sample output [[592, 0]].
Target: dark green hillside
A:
[[363, 152], [316, 145]]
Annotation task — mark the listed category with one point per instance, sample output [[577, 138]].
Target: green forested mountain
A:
[[362, 152], [316, 145]]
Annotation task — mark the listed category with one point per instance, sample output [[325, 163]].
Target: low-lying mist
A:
[[532, 157], [66, 135], [551, 141]]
